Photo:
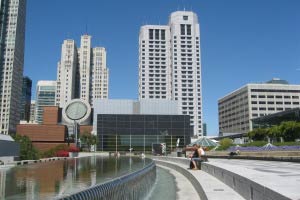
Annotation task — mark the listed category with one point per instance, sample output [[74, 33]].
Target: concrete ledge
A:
[[25, 162], [188, 175], [207, 187], [266, 158], [244, 186]]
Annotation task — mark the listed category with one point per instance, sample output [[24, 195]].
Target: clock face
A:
[[76, 110]]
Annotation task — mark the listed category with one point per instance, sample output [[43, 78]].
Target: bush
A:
[[225, 144], [27, 150], [62, 153], [255, 143], [53, 152], [73, 149]]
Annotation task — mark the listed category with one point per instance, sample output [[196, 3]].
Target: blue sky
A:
[[242, 41]]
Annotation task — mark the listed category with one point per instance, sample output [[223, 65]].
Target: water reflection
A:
[[52, 179]]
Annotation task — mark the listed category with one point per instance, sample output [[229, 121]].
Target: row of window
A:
[[277, 102], [274, 96]]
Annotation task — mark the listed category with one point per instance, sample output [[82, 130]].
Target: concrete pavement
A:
[[280, 177]]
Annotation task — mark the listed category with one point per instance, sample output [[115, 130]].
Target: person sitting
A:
[[198, 155]]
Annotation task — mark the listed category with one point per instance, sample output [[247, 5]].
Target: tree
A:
[[27, 150], [88, 140], [290, 130], [275, 132], [258, 134], [225, 144]]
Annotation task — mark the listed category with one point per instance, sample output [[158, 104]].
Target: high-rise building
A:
[[204, 129], [45, 96], [66, 73], [81, 72], [12, 37], [255, 100], [26, 99], [170, 66], [32, 111]]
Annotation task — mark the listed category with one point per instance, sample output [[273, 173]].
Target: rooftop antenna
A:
[[86, 29]]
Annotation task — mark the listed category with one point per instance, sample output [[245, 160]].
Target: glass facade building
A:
[[26, 99], [120, 132], [45, 96]]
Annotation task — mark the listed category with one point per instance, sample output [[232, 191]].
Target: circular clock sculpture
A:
[[77, 110]]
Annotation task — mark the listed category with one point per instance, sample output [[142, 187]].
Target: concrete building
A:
[[66, 73], [49, 133], [32, 111], [170, 66], [12, 36], [81, 72], [45, 96], [204, 129], [26, 99], [255, 100]]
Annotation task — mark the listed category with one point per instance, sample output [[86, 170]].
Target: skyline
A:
[[230, 37]]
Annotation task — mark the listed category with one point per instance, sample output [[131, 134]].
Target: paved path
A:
[[283, 177], [204, 183]]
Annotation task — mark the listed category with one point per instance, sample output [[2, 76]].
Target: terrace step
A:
[[207, 186], [258, 180]]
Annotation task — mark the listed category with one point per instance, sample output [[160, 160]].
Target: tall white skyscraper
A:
[[81, 72], [170, 64], [12, 36], [66, 73]]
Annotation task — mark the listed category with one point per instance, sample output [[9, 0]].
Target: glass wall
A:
[[122, 132]]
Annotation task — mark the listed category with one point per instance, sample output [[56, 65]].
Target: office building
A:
[[255, 100], [170, 66], [45, 96], [140, 124], [204, 129], [81, 72], [26, 99], [32, 111], [12, 37]]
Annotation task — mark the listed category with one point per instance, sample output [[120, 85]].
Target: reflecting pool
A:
[[56, 178]]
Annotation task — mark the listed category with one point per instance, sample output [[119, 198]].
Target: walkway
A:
[[207, 186], [252, 179], [282, 177]]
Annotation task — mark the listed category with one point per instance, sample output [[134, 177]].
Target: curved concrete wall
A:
[[188, 175], [133, 186]]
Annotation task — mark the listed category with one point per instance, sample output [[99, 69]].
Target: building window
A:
[[156, 34], [185, 17], [188, 30], [151, 34], [163, 34], [182, 29]]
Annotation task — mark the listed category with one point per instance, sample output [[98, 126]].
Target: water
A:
[[164, 187], [52, 179]]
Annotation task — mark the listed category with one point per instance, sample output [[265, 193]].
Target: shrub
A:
[[73, 149], [62, 153], [27, 150], [53, 151], [255, 143], [225, 144]]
